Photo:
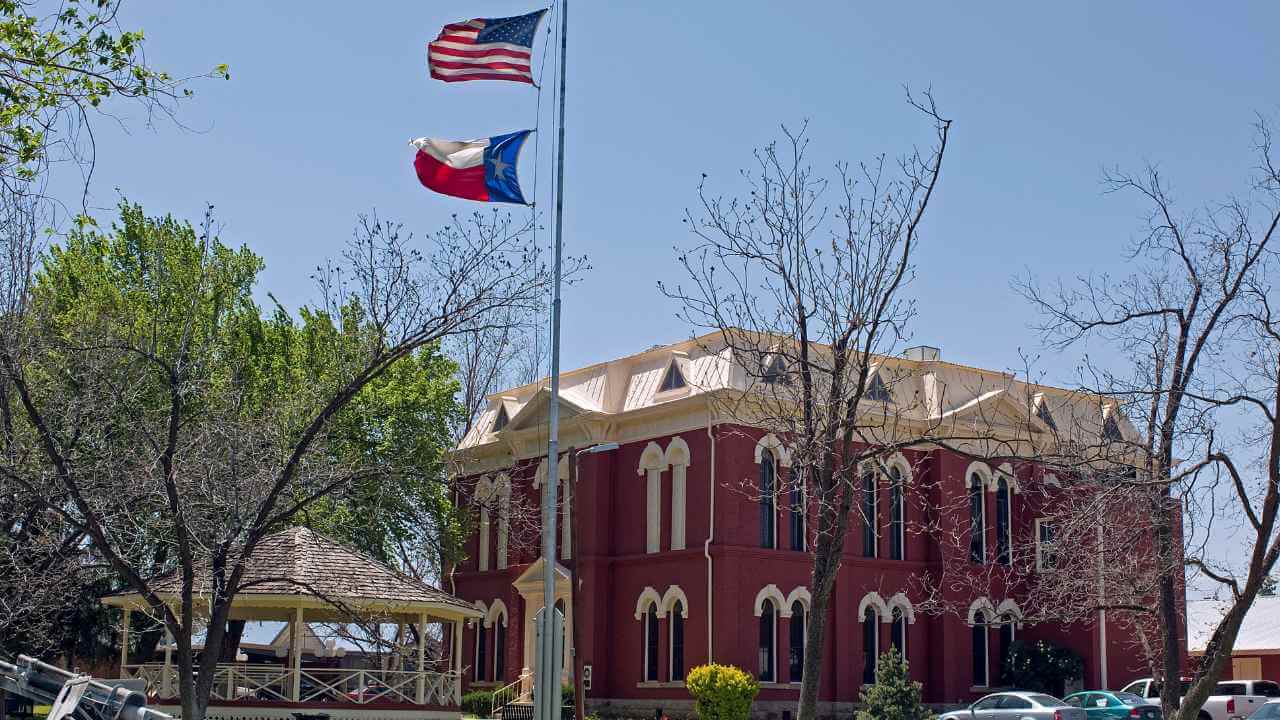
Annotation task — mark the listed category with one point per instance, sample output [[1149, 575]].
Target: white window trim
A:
[[875, 639], [986, 651], [870, 470], [652, 464], [644, 665], [773, 496], [483, 496], [906, 624], [769, 592], [679, 459], [1008, 525], [504, 518], [777, 612], [1040, 549], [983, 472]]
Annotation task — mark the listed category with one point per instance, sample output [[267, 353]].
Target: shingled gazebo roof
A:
[[299, 567]]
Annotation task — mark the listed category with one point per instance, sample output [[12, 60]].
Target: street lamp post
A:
[[574, 515]]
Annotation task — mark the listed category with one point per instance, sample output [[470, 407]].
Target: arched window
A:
[[980, 664], [1003, 530], [977, 520], [870, 519], [870, 645], [676, 620], [1006, 638], [797, 509], [768, 501], [897, 515], [768, 641], [651, 643], [482, 642], [797, 641], [500, 649], [898, 631]]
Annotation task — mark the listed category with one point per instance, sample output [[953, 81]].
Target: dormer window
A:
[[1111, 428], [673, 380], [502, 419], [775, 371], [877, 390], [1044, 416]]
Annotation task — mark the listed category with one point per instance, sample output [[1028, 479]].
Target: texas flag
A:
[[483, 170]]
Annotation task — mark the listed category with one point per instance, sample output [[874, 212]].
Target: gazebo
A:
[[299, 576]]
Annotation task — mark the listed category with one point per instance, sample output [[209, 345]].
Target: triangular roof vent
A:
[[1043, 414], [1111, 428], [502, 419], [877, 390], [673, 380], [775, 371]]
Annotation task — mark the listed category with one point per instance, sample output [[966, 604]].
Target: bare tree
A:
[[807, 298], [1196, 353], [170, 433]]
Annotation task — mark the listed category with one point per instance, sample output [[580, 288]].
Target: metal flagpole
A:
[[548, 688]]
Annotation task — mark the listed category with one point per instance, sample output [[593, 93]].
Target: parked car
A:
[[1219, 706], [1017, 705], [374, 690], [1264, 688], [1269, 710], [1100, 704]]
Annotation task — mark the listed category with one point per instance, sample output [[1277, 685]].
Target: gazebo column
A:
[[166, 687], [457, 659], [124, 640], [422, 659], [295, 648]]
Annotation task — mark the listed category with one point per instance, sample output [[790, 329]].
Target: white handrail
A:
[[274, 683]]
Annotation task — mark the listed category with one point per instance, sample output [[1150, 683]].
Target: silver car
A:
[[1017, 705]]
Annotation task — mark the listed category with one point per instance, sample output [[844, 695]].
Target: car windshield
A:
[[1129, 698], [1045, 700], [1155, 688]]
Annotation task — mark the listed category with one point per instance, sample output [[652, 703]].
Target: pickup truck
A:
[[1232, 699]]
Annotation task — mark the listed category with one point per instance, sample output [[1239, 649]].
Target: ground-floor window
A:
[[898, 632], [980, 677], [1006, 640], [870, 645], [797, 641], [768, 640], [499, 651], [481, 642], [676, 613], [651, 643]]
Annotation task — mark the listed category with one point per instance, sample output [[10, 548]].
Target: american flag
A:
[[485, 49]]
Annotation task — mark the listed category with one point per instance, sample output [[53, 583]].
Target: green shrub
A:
[[1040, 666], [478, 703], [895, 696], [566, 695], [722, 692]]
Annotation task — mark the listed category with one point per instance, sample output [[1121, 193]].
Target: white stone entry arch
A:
[[1009, 608], [983, 605], [648, 597], [497, 612], [900, 601], [770, 592], [800, 594], [873, 600], [652, 463], [771, 443], [669, 598], [678, 458]]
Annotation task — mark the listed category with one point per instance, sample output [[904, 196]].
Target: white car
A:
[[1224, 704], [1017, 705]]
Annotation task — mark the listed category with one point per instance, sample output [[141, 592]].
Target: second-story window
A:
[[768, 501], [897, 515], [1004, 530], [977, 520], [870, 514], [797, 510]]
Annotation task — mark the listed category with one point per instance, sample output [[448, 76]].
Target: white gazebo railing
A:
[[240, 681]]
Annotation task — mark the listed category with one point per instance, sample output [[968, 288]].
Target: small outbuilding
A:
[[1257, 650]]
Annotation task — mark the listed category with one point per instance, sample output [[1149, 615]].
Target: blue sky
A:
[[312, 129]]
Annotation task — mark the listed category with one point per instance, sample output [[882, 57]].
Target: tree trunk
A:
[[826, 564], [231, 641]]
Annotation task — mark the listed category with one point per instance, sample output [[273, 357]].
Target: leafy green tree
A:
[[894, 696], [59, 62], [1041, 666], [157, 412]]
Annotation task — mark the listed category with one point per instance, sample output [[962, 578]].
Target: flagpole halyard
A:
[[548, 705]]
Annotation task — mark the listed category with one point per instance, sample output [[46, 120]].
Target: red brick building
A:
[[682, 560]]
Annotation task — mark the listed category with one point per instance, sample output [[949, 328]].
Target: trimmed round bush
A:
[[478, 703], [722, 692]]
